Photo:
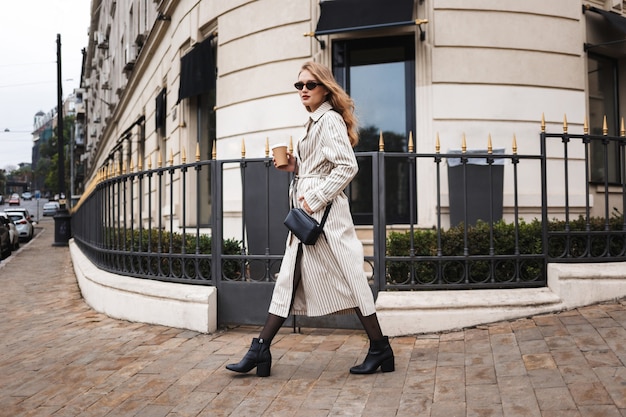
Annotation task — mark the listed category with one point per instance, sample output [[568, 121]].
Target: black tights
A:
[[273, 323]]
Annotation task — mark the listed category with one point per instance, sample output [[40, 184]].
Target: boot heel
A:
[[263, 369], [388, 365]]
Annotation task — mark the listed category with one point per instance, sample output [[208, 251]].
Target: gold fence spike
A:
[[290, 144], [171, 157], [622, 131], [463, 144], [267, 147], [437, 144], [605, 129], [183, 156], [139, 163], [411, 141], [514, 144], [564, 123], [197, 151], [381, 142], [543, 123], [243, 148], [149, 163], [132, 166], [489, 145], [214, 152], [160, 159], [585, 126]]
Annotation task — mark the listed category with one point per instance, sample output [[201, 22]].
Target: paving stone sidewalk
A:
[[60, 358]]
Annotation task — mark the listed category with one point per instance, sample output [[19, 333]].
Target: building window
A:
[[603, 101], [204, 106], [379, 74], [198, 86]]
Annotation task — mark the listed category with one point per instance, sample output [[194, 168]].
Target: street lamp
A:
[[62, 219]]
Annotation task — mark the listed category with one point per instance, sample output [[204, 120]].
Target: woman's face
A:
[[311, 98]]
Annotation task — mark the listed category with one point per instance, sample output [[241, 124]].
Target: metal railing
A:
[[150, 223]]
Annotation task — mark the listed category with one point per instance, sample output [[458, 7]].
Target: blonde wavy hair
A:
[[340, 100]]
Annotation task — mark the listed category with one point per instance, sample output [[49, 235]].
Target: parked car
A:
[[14, 200], [50, 208], [1, 200], [5, 239], [24, 227], [22, 210], [15, 236], [27, 196]]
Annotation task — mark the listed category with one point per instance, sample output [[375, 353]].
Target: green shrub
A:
[[148, 252], [565, 242]]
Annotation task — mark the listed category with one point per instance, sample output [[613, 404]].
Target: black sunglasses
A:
[[310, 85]]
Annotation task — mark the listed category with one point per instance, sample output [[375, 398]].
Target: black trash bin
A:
[[62, 227], [473, 179]]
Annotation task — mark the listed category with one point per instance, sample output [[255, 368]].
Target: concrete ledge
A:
[[192, 307], [403, 313], [584, 284], [400, 313]]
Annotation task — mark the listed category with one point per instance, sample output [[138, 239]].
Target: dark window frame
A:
[[613, 126], [342, 54]]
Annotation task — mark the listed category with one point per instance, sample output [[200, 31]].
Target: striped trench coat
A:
[[333, 279]]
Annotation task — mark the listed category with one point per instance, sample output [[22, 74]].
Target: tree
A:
[[47, 166], [3, 182]]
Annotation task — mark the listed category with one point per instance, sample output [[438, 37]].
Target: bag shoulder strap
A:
[[325, 215]]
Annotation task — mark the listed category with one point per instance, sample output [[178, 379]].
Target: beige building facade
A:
[[174, 80]]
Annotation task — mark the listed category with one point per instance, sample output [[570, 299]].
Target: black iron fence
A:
[[500, 216]]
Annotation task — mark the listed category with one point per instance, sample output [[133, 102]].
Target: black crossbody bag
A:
[[305, 227]]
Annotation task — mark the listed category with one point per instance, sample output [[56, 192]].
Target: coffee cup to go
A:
[[280, 154]]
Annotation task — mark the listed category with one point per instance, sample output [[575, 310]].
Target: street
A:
[[34, 207]]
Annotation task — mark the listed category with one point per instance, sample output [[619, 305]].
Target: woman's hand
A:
[[291, 164], [305, 206]]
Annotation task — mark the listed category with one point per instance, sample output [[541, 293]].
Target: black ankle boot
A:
[[258, 356], [379, 354]]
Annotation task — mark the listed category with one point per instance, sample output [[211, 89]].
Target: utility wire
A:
[[26, 64]]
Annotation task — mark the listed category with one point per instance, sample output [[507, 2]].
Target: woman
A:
[[328, 277]]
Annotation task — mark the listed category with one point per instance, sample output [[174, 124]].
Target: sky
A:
[[28, 66]]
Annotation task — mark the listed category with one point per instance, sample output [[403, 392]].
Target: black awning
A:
[[616, 20], [197, 70], [350, 15]]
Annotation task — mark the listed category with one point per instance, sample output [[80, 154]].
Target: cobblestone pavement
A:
[[60, 358]]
